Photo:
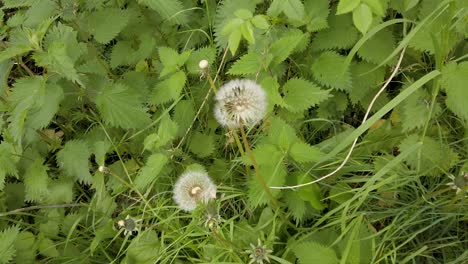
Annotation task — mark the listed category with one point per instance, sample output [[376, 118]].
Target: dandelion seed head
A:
[[240, 102], [459, 183], [193, 187], [258, 254]]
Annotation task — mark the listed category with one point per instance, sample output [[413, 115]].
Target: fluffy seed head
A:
[[193, 187], [240, 102]]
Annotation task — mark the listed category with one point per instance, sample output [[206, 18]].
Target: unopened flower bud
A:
[[203, 64]]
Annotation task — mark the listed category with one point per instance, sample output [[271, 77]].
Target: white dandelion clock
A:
[[240, 102], [193, 187]]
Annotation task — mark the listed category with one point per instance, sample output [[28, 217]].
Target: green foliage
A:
[[104, 104]]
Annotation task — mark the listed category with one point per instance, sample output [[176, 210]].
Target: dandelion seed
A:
[[258, 253], [459, 183], [192, 188], [129, 224], [240, 102]]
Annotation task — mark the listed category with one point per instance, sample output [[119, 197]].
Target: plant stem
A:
[[254, 162]]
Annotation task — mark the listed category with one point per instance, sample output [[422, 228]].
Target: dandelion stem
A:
[[254, 162]]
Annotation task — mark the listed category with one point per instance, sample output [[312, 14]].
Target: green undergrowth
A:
[[103, 105]]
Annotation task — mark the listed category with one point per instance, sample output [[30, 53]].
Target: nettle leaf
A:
[[416, 109], [26, 247], [271, 86], [171, 10], [434, 155], [62, 190], [301, 94], [120, 107], [107, 23], [18, 44], [250, 63], [302, 152], [316, 14], [274, 175], [7, 247], [362, 18], [40, 11], [150, 172], [172, 60], [8, 160], [184, 114], [73, 159], [167, 132], [346, 6], [202, 144], [332, 108], [48, 108], [36, 181], [378, 47], [314, 252], [285, 46], [378, 7], [328, 70], [225, 13], [264, 154], [168, 89], [341, 34], [454, 80], [365, 81], [293, 9], [296, 206], [281, 134]]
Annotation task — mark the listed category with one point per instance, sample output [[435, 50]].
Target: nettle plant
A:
[[233, 131]]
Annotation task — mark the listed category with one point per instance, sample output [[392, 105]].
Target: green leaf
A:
[[264, 153], [247, 32], [346, 6], [281, 134], [274, 174], [168, 89], [243, 14], [42, 115], [313, 252], [62, 190], [171, 10], [36, 181], [310, 193], [73, 160], [167, 132], [365, 82], [201, 144], [302, 152], [316, 14], [378, 47], [454, 80], [234, 40], [284, 47], [8, 159], [362, 18], [172, 60], [378, 7], [293, 9], [296, 206], [250, 63], [260, 22], [432, 158], [341, 34], [416, 109], [48, 248], [196, 56], [120, 107], [40, 11], [150, 172], [184, 114], [300, 94], [26, 247], [328, 70], [7, 247]]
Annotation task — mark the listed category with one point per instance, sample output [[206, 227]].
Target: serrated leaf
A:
[[328, 70], [302, 152], [378, 48], [171, 10], [167, 132], [184, 113], [234, 40], [48, 108], [378, 7], [47, 248], [172, 60], [365, 81], [107, 23], [36, 181], [40, 11], [433, 156], [25, 245], [416, 109], [150, 172], [250, 63], [296, 206], [300, 94], [120, 107], [7, 247], [362, 18], [313, 252], [8, 160], [201, 144], [454, 80], [271, 86], [335, 107], [264, 154], [346, 6], [168, 89], [73, 160], [274, 174], [316, 14], [283, 47], [310, 193], [341, 34], [62, 190], [293, 9], [260, 22], [281, 134]]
